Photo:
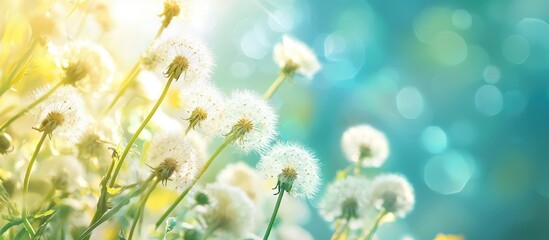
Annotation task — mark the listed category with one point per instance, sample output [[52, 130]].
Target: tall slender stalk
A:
[[116, 208], [30, 106], [136, 134], [275, 85], [142, 207], [125, 85], [372, 231], [228, 140], [273, 217], [26, 180]]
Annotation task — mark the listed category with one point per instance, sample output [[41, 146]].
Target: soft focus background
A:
[[459, 87]]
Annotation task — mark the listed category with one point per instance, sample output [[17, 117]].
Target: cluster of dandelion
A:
[[76, 172]]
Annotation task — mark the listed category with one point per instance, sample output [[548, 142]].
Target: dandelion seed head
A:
[[174, 159], [176, 56], [64, 171], [293, 158], [393, 193], [292, 55], [230, 211], [62, 114], [366, 145], [254, 118], [201, 104], [244, 177], [88, 66], [347, 199]]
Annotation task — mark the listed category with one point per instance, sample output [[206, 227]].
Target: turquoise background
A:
[[459, 87]]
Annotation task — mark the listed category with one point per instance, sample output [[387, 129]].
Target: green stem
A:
[[228, 140], [125, 85], [30, 106], [142, 207], [26, 222], [273, 217], [116, 208], [136, 134], [340, 230], [102, 201], [372, 231], [276, 84]]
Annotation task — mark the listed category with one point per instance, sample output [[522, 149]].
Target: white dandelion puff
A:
[[347, 200], [65, 172], [393, 193], [251, 118], [173, 160], [62, 114], [177, 56], [201, 104], [230, 212], [87, 65], [244, 177], [292, 55], [290, 163], [365, 145]]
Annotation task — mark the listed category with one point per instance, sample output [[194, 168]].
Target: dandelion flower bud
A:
[[293, 167], [88, 66], [5, 143], [173, 159], [346, 199], [294, 56], [365, 145], [171, 9], [230, 213], [249, 119], [62, 114], [201, 105], [392, 193], [177, 56]]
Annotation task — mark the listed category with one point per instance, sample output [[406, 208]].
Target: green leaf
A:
[[44, 214], [114, 191]]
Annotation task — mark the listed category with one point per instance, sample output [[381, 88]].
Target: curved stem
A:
[[125, 85], [273, 217], [30, 106], [136, 134], [115, 209], [26, 222], [276, 84], [228, 140], [372, 231], [142, 207], [340, 230]]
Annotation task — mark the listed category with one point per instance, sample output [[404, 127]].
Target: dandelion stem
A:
[[142, 207], [129, 78], [273, 217], [340, 230], [125, 85], [26, 222], [136, 134], [30, 106], [116, 208], [276, 84], [228, 140], [372, 231]]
